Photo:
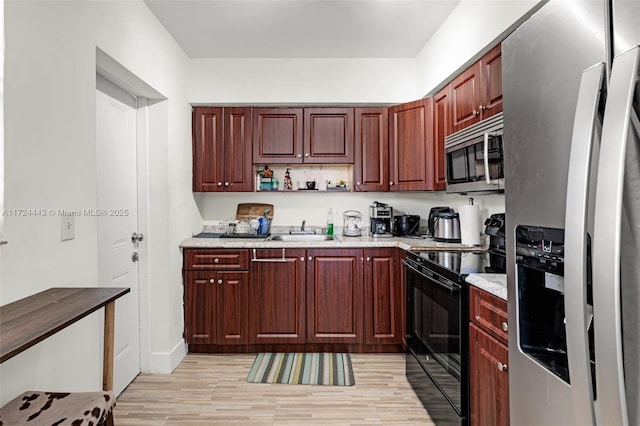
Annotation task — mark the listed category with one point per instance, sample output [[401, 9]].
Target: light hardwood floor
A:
[[212, 390]]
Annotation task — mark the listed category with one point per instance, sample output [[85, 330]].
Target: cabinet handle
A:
[[220, 281], [502, 367], [481, 108], [299, 155], [310, 258], [216, 260], [368, 259], [301, 258], [391, 183], [306, 155], [357, 183], [219, 183], [226, 184], [475, 113], [505, 327], [212, 281], [478, 318]]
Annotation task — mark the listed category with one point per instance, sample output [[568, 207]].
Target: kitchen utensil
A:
[[352, 226], [406, 224], [447, 227], [311, 184]]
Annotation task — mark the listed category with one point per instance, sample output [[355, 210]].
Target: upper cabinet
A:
[[328, 135], [476, 93], [371, 163], [491, 73], [222, 149], [411, 147], [277, 136], [441, 128], [303, 135]]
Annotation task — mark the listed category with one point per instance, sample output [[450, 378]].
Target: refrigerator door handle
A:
[[585, 144], [607, 238]]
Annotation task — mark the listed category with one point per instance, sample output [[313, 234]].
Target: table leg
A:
[[107, 360]]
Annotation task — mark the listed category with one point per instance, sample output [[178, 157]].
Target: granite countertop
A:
[[340, 241], [495, 284]]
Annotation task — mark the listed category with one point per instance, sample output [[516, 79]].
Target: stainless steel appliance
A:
[[572, 168], [405, 225], [446, 227], [475, 157], [380, 215], [433, 214], [437, 315]]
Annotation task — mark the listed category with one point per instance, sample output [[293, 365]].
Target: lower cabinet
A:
[[334, 296], [294, 296], [488, 359], [216, 312], [383, 297], [278, 296]]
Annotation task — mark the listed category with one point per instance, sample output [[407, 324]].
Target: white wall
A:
[[290, 209], [50, 119], [276, 81], [472, 27]]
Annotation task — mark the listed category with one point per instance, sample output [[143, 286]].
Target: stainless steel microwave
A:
[[475, 157]]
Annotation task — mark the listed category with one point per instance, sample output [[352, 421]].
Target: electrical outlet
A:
[[68, 228]]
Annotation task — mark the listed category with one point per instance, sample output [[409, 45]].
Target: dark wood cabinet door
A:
[[328, 135], [441, 129], [208, 149], [238, 170], [231, 313], [277, 135], [489, 384], [491, 70], [334, 296], [277, 297], [382, 297], [199, 305], [466, 98], [371, 162], [411, 146]]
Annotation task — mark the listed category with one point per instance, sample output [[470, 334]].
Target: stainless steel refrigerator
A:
[[572, 187]]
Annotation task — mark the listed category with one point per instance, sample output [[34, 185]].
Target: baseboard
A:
[[166, 362]]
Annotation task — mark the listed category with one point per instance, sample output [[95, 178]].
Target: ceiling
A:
[[302, 28]]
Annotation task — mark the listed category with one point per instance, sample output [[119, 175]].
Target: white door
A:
[[116, 168]]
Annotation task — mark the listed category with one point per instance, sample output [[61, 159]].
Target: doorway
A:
[[118, 236]]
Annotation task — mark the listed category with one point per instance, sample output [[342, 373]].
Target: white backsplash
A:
[[292, 207]]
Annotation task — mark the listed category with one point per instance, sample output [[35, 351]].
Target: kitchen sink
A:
[[300, 237]]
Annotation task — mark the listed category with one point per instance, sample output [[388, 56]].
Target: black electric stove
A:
[[437, 309]]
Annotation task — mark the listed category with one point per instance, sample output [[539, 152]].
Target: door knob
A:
[[135, 257], [502, 367], [136, 238]]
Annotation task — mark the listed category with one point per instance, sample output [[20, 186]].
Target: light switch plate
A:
[[68, 228]]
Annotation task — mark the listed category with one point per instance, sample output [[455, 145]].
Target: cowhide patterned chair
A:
[[57, 408]]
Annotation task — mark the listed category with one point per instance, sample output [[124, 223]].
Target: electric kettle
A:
[[352, 223]]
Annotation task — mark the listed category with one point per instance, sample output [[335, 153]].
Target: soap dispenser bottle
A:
[[330, 222]]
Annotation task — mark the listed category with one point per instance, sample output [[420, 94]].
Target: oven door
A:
[[437, 342]]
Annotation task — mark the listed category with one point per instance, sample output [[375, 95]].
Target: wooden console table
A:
[[28, 321]]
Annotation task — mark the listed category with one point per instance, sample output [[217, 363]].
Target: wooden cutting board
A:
[[253, 211]]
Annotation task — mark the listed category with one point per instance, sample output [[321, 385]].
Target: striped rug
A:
[[302, 369]]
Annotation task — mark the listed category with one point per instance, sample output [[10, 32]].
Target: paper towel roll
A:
[[469, 224]]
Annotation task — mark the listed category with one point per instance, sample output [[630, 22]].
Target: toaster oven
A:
[[475, 157]]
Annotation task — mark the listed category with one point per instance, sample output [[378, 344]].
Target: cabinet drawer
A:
[[489, 313], [216, 260]]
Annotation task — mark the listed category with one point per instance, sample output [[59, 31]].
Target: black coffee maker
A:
[[380, 216], [494, 228]]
